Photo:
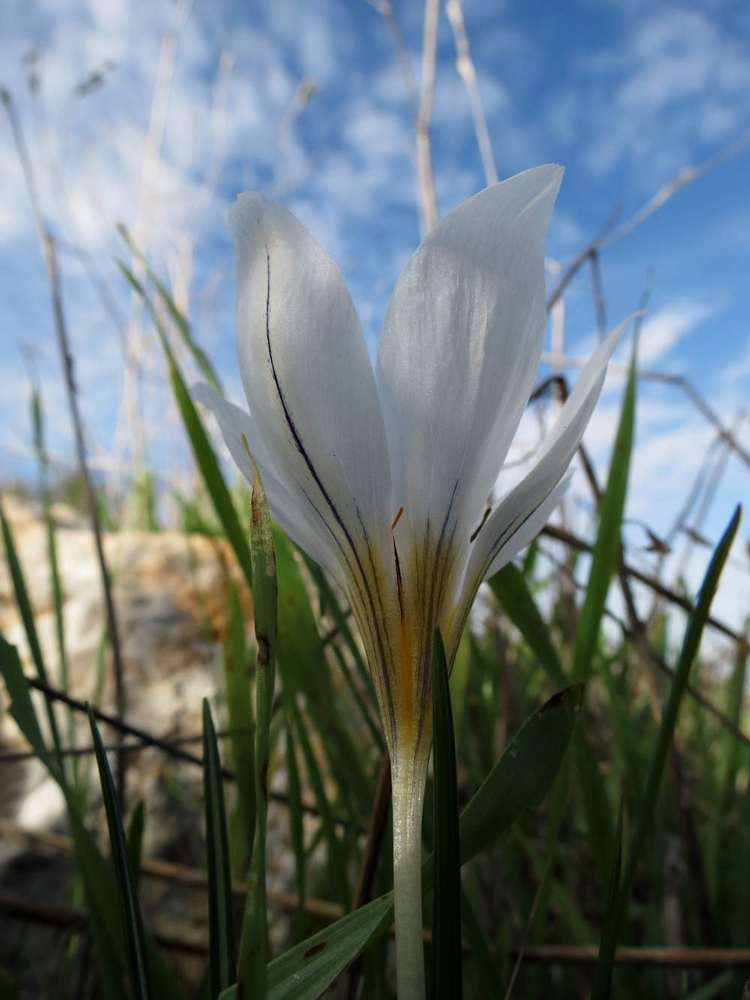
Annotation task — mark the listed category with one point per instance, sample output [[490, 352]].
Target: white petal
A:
[[530, 528], [525, 505], [461, 343], [285, 504], [308, 378]]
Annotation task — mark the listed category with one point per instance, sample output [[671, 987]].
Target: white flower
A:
[[382, 477]]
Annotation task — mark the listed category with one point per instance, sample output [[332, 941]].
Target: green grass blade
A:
[[368, 702], [178, 318], [511, 590], [334, 848], [57, 592], [254, 946], [222, 955], [130, 909], [719, 850], [304, 671], [296, 827], [688, 653], [136, 828], [307, 969], [238, 680], [524, 774], [446, 897], [717, 988], [608, 942], [606, 552], [27, 617], [519, 781], [203, 451]]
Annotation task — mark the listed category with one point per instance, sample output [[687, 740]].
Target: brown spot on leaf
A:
[[264, 650], [316, 949]]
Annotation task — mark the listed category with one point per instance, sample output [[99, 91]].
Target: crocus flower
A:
[[383, 476]]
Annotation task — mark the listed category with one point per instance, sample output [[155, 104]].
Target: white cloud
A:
[[679, 78], [663, 331]]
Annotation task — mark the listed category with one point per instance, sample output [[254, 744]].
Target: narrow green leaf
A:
[[336, 872], [238, 680], [27, 617], [716, 987], [690, 646], [608, 942], [524, 774], [203, 452], [130, 909], [307, 969], [254, 945], [606, 552], [222, 956], [459, 681], [519, 781], [296, 826], [511, 590], [446, 911], [135, 840], [22, 707], [304, 671], [368, 702], [57, 591], [719, 849], [180, 320]]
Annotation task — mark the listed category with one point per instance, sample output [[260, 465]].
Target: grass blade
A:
[[135, 840], [203, 451], [606, 552], [690, 645], [296, 828], [524, 774], [131, 912], [238, 681], [254, 946], [446, 911], [222, 956], [608, 942], [512, 592], [178, 318], [27, 617], [519, 781]]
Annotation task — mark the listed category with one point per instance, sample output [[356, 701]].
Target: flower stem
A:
[[408, 801]]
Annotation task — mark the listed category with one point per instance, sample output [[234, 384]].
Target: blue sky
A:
[[624, 93]]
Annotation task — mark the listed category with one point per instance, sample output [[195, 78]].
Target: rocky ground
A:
[[171, 598]]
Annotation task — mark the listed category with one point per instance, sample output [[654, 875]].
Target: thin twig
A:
[[467, 72], [112, 627], [160, 743], [424, 150], [598, 295], [650, 375], [648, 655], [580, 259], [386, 10], [581, 545], [19, 756], [550, 954], [698, 696], [50, 260], [686, 176]]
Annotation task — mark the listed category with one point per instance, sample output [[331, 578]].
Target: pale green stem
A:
[[408, 800]]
